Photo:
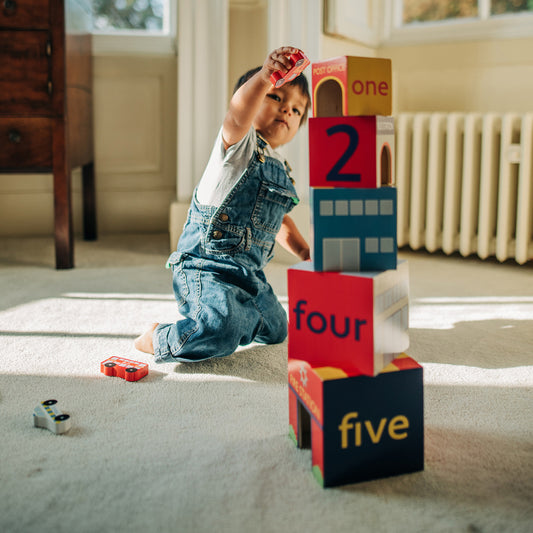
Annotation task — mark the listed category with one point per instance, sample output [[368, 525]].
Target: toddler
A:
[[238, 210]]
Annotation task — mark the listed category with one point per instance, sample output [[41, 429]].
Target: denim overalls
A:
[[218, 276]]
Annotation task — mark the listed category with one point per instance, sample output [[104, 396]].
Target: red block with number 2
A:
[[351, 151]]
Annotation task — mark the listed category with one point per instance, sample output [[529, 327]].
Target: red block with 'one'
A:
[[351, 151]]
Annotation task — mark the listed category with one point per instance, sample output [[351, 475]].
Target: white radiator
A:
[[465, 183]]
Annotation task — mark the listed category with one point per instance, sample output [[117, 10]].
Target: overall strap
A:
[[261, 145], [288, 170]]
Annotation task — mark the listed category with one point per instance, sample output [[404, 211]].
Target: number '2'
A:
[[335, 173]]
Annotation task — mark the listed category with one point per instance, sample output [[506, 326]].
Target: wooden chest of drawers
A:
[[46, 104]]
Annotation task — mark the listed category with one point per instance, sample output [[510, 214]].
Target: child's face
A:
[[280, 114]]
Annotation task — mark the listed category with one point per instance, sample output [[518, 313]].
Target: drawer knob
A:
[[14, 136], [10, 5]]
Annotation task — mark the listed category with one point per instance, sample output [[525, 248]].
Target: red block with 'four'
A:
[[353, 321]]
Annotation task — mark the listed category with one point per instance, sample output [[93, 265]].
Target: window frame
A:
[[139, 42], [341, 21], [484, 26], [385, 27]]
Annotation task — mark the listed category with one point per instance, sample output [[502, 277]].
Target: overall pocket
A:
[[224, 240], [272, 204]]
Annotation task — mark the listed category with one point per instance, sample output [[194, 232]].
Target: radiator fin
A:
[[465, 183]]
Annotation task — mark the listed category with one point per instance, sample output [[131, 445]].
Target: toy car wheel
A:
[[297, 59], [110, 365], [131, 369], [62, 417], [50, 402]]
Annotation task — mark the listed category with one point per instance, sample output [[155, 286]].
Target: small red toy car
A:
[[124, 368], [299, 61]]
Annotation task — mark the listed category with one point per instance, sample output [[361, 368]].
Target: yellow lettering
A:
[[396, 427], [335, 68], [358, 434], [317, 71], [345, 426], [376, 437], [397, 423]]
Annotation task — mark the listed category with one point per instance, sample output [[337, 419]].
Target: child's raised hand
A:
[[279, 60], [247, 100]]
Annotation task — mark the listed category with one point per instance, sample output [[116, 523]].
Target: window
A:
[[434, 20], [424, 11], [371, 207], [134, 26], [435, 10], [355, 207], [371, 245], [326, 208], [341, 207], [499, 7], [389, 22], [354, 19], [112, 15]]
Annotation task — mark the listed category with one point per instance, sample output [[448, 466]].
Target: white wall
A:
[[246, 45], [247, 38], [135, 140], [484, 76], [136, 113]]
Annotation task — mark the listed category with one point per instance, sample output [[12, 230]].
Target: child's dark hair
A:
[[300, 82]]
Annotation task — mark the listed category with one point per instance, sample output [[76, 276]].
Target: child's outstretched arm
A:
[[292, 240], [247, 100]]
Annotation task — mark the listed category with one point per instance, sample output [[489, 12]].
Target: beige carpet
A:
[[194, 448]]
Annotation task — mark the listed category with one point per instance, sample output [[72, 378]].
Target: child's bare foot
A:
[[144, 343]]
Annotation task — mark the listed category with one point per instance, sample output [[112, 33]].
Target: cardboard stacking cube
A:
[[358, 427], [351, 152], [353, 229], [353, 321], [348, 85]]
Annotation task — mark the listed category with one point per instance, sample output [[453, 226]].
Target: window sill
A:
[[133, 43], [504, 27]]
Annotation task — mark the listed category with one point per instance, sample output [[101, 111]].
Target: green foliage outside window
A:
[[129, 14], [500, 7], [149, 14], [434, 10]]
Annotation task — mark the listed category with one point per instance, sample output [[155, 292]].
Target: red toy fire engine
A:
[[299, 62], [124, 368]]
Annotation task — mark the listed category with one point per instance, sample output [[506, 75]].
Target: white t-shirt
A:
[[225, 167]]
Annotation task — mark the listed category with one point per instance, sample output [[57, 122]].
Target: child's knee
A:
[[220, 337], [274, 332]]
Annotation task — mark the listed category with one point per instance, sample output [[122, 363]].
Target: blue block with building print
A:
[[353, 230]]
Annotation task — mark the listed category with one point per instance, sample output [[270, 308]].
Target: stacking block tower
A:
[[355, 397]]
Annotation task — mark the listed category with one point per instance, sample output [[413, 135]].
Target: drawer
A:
[[25, 70], [26, 144], [34, 14]]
